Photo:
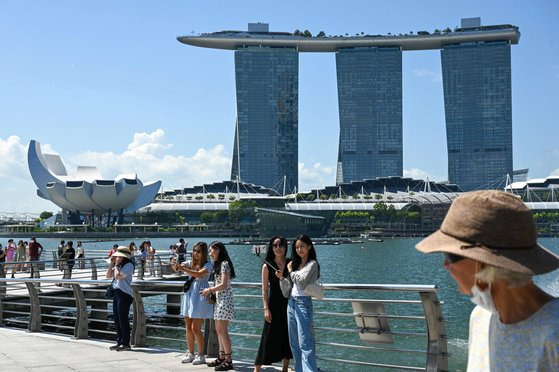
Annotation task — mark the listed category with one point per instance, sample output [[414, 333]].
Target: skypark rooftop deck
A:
[[236, 39]]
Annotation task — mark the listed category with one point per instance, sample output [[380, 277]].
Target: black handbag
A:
[[110, 293], [212, 298], [187, 284]]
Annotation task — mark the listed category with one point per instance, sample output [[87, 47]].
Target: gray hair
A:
[[514, 279]]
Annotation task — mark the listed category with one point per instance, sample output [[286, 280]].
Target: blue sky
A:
[[106, 83]]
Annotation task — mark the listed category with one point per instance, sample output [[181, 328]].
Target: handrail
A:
[[82, 301]]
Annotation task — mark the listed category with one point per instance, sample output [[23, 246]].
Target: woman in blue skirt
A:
[[194, 307]]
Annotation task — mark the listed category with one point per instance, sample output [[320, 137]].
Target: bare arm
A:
[[195, 273], [109, 274], [265, 297]]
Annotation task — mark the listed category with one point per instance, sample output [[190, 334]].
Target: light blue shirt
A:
[[125, 285]]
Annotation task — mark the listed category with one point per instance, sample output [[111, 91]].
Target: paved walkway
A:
[[23, 351]]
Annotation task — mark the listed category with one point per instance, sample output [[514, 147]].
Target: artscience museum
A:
[[86, 193]]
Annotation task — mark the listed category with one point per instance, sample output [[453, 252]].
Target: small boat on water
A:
[[259, 249], [375, 240]]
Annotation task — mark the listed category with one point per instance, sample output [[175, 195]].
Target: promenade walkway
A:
[[22, 351]]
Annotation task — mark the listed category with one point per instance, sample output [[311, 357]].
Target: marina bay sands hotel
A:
[[476, 71]]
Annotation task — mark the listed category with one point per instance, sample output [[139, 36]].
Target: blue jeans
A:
[[301, 339], [121, 309]]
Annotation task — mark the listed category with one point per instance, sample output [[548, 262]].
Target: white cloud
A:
[[13, 159], [419, 174], [146, 156], [434, 76], [315, 176]]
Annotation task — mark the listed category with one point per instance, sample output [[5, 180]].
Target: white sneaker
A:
[[200, 359], [189, 358]]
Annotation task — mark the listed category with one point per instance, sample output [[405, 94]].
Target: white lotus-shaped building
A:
[[86, 192]]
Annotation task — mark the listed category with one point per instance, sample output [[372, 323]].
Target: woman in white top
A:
[[303, 270]]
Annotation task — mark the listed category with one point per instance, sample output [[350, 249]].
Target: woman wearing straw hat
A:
[[121, 269], [489, 240]]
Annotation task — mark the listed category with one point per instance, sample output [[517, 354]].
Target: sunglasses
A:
[[196, 251], [452, 258], [277, 245]]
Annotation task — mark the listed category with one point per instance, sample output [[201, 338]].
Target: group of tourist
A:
[[20, 253], [287, 332], [489, 242]]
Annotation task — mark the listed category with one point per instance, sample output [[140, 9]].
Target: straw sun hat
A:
[[495, 228], [122, 251]]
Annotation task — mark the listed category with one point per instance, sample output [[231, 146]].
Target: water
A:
[[394, 261]]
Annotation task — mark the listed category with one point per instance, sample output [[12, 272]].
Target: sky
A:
[[106, 83]]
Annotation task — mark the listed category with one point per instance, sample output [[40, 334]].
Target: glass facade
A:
[[266, 136], [477, 100], [370, 108]]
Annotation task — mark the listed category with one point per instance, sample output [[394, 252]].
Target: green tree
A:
[[307, 33], [45, 215], [321, 34], [241, 209]]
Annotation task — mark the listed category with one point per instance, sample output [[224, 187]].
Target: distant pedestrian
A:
[[113, 250], [60, 250], [20, 257], [121, 269], [35, 250], [81, 255], [489, 240], [132, 248], [303, 270], [223, 273], [68, 257], [151, 258], [11, 251], [181, 250], [143, 256]]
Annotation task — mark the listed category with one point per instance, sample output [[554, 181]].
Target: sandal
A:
[[225, 366], [216, 362]]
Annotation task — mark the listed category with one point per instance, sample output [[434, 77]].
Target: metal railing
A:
[[356, 326]]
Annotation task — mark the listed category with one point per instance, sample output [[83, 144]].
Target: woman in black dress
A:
[[274, 344]]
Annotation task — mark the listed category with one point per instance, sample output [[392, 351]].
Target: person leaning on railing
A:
[[489, 240], [121, 269], [303, 270]]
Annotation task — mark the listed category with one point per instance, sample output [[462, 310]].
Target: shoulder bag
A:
[[315, 290], [187, 284], [110, 293]]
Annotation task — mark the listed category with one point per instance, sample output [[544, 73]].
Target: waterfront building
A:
[[86, 192], [370, 109], [477, 90], [266, 136], [478, 110]]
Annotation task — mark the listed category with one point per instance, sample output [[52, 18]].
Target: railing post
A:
[[93, 269], [34, 308], [437, 355], [159, 268], [2, 284], [139, 326], [81, 328], [211, 342], [54, 260], [35, 272]]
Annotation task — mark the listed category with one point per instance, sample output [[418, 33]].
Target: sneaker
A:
[[200, 359], [189, 358], [124, 348], [114, 347]]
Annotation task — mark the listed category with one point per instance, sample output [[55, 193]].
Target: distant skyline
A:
[[108, 84]]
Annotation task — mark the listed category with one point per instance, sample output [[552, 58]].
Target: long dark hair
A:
[[204, 259], [223, 256], [312, 253], [270, 256]]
